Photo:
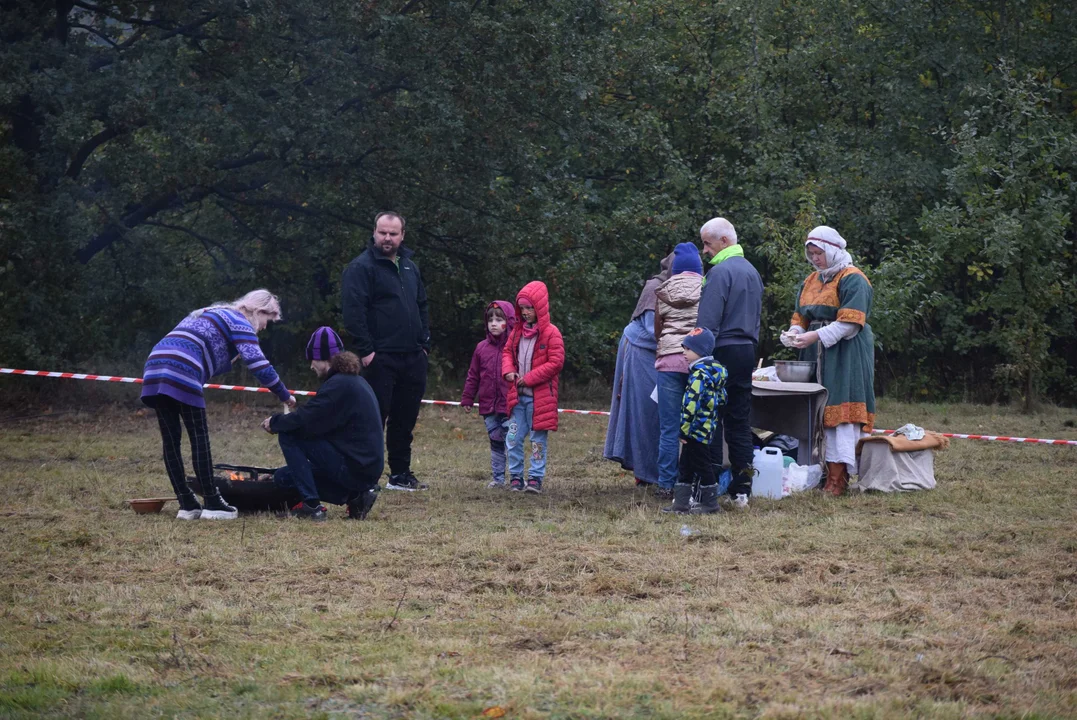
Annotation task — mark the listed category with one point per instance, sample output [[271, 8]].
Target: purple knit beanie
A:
[[324, 344]]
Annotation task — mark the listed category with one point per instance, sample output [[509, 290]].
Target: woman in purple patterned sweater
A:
[[201, 346]]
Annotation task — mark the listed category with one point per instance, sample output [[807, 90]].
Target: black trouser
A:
[[398, 381], [170, 413], [696, 460], [734, 418], [317, 470]]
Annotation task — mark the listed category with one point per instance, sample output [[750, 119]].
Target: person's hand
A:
[[468, 409], [265, 425], [805, 340], [290, 402], [520, 382], [789, 337], [367, 359], [511, 377]]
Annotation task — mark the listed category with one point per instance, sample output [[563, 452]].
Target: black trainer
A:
[[189, 509], [405, 481], [359, 507], [305, 510], [215, 508]]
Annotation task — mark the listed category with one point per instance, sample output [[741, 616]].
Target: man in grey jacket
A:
[[730, 307]]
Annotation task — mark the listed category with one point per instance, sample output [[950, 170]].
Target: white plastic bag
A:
[[767, 374], [798, 478]]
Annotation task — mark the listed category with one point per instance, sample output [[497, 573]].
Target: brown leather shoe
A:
[[837, 479]]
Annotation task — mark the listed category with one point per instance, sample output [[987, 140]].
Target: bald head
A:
[[717, 234]]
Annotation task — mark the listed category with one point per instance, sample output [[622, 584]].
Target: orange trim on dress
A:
[[799, 320], [817, 292], [853, 316], [835, 415]]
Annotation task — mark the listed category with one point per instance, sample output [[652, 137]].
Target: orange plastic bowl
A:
[[146, 506]]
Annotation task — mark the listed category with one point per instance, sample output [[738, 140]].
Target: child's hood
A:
[[510, 319], [681, 290], [536, 293]]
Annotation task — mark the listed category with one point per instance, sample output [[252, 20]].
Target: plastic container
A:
[[768, 473]]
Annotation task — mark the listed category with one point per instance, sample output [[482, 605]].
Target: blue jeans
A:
[[523, 415], [670, 399], [317, 470]]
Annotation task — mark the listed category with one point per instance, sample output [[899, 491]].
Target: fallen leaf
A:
[[842, 651], [494, 712]]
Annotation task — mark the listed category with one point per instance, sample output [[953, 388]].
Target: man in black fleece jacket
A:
[[332, 443], [386, 313]]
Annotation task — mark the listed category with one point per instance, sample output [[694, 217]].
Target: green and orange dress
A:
[[847, 369]]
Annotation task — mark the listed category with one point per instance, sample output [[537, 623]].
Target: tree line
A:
[[155, 157]]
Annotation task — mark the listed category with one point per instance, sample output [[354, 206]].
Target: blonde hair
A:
[[260, 300]]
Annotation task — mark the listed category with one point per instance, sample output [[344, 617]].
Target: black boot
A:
[[708, 500], [359, 506], [215, 508], [682, 499]]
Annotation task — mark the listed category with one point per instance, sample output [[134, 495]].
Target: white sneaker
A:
[[189, 514], [740, 501]]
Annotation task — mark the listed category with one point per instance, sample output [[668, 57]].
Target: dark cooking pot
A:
[[249, 488]]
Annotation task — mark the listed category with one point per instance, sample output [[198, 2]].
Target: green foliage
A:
[[1009, 224], [155, 157]]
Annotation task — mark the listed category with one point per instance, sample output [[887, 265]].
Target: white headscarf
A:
[[830, 242]]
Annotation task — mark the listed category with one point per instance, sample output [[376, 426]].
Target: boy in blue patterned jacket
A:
[[704, 395]]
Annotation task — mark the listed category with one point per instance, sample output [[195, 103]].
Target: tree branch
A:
[[150, 206], [87, 149]]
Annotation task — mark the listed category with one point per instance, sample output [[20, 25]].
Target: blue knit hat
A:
[[686, 259], [700, 341], [324, 344]]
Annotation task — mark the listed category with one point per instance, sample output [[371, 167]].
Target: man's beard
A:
[[383, 252]]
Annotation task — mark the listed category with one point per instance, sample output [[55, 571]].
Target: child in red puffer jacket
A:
[[531, 363], [484, 379]]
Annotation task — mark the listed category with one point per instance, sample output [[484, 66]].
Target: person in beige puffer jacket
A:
[[676, 308]]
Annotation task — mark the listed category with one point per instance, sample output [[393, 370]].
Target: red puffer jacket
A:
[[546, 361]]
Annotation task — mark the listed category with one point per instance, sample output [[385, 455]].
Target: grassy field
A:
[[583, 602]]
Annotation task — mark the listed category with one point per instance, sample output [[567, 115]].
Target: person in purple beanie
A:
[[333, 443]]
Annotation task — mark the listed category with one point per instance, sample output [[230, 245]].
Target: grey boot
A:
[[708, 500], [682, 499]]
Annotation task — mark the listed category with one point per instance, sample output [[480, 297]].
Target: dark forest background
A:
[[157, 156]]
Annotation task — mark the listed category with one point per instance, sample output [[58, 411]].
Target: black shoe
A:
[[516, 484], [405, 481], [189, 508], [215, 508], [682, 499], [307, 511], [360, 505]]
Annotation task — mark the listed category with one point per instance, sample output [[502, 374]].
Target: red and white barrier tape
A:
[[244, 388], [216, 386]]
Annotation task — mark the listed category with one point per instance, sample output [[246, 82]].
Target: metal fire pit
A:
[[240, 486]]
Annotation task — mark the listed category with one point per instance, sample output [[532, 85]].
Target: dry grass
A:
[[584, 602]]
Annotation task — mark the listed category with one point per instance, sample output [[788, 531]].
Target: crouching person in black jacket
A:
[[333, 444]]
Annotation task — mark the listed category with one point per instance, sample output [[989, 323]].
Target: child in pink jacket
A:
[[485, 381]]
